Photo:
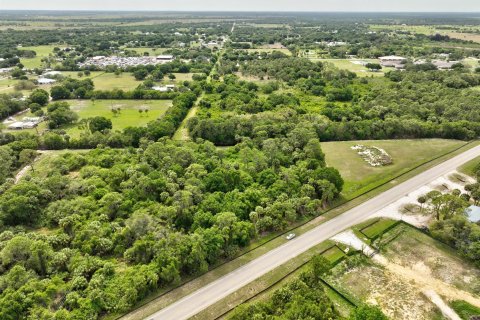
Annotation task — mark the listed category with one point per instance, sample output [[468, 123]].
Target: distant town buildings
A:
[[124, 62], [393, 61], [25, 123], [166, 88]]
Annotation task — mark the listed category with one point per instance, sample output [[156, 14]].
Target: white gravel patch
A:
[[394, 210], [350, 239]]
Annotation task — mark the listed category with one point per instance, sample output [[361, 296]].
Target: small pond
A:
[[473, 213]]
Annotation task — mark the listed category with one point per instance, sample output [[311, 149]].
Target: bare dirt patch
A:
[[373, 284], [465, 36], [423, 255]]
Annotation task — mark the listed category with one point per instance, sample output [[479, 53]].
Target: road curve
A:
[[215, 291]]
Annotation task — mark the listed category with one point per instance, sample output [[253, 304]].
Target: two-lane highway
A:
[[215, 291]]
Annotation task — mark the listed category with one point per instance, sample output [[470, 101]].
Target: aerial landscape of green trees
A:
[[95, 219]]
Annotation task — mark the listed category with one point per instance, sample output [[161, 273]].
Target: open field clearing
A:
[[419, 252], [359, 176], [110, 81], [269, 50], [7, 85], [356, 66], [369, 282], [129, 115], [475, 37], [423, 29], [150, 51], [179, 77], [42, 52], [471, 62], [74, 74], [411, 266]]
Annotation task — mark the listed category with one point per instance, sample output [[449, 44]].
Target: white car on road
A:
[[290, 236]]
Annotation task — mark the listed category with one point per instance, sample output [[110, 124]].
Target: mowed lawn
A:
[[110, 81], [125, 81], [359, 176], [129, 114]]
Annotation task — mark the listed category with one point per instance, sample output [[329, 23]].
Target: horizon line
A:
[[227, 11]]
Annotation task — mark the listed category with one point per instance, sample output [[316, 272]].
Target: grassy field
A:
[[475, 37], [269, 50], [422, 29], [351, 65], [373, 229], [431, 30], [6, 85], [359, 176], [125, 81], [74, 75], [468, 168], [109, 81], [42, 52], [129, 115], [151, 51]]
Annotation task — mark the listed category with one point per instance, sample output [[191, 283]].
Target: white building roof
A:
[[46, 81]]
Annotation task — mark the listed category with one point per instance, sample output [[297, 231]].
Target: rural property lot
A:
[[359, 176], [129, 114], [355, 66], [415, 263]]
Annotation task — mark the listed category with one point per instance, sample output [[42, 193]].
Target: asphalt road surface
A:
[[215, 291]]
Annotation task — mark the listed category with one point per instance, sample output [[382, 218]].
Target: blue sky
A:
[[248, 5]]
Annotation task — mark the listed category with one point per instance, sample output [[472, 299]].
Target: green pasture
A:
[[129, 114], [359, 176]]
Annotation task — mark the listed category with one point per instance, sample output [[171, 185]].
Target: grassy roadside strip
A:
[[275, 279], [168, 295], [468, 168]]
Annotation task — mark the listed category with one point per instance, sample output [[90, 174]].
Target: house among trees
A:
[[166, 88], [46, 81], [26, 123]]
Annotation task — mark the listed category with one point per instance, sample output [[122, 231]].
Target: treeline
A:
[[451, 225], [11, 104], [84, 89], [122, 223], [233, 129], [409, 104], [59, 114]]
